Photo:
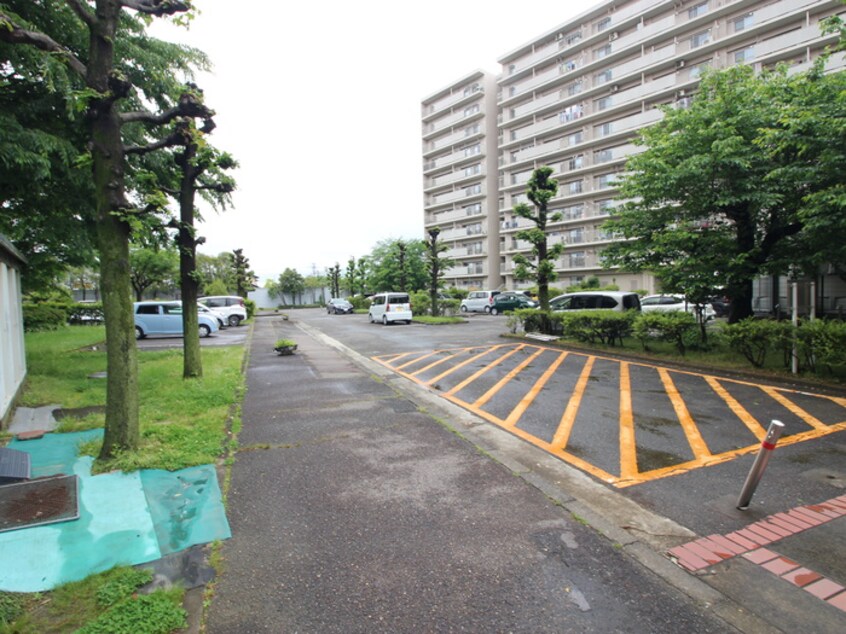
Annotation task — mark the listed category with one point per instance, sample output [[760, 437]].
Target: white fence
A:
[[12, 358]]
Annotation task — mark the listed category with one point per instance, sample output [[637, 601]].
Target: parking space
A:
[[624, 422]]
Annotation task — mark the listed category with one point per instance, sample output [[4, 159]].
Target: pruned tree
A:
[[350, 276], [108, 88], [334, 276], [245, 279], [541, 188], [436, 266]]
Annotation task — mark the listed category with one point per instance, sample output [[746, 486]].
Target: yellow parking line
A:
[[416, 359], [524, 403], [435, 363], [565, 426], [790, 405], [694, 438], [471, 360], [750, 421], [504, 380], [628, 448]]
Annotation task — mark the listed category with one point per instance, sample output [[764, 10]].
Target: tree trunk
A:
[[121, 428], [192, 366], [740, 298]]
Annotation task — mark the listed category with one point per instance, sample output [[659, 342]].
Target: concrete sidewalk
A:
[[360, 502]]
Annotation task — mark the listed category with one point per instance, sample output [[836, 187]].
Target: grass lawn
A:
[[183, 423]]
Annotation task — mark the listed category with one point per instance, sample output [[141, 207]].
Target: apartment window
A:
[[605, 129], [472, 169], [576, 162], [512, 68], [696, 71], [602, 51], [474, 229], [575, 88], [604, 103], [574, 187], [744, 55], [575, 138], [603, 156], [700, 39], [474, 248], [573, 212], [512, 90], [473, 189], [474, 268], [744, 22], [471, 110], [575, 236], [569, 65], [603, 24], [696, 10], [471, 129], [603, 77], [472, 210], [470, 150], [604, 181], [469, 90], [571, 113], [576, 259], [572, 38], [604, 207]]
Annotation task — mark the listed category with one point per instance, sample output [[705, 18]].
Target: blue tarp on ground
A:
[[124, 518]]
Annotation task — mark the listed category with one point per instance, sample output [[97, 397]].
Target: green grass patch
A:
[[104, 603], [182, 421], [438, 321]]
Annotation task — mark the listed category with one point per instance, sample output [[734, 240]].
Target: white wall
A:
[[12, 358]]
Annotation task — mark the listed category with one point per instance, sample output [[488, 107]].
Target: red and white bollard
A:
[[757, 470]]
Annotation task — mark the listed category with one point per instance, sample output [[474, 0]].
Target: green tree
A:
[[397, 265], [541, 188], [151, 267], [100, 45], [334, 275], [361, 274], [215, 273], [436, 266], [350, 276], [292, 283], [245, 279], [723, 190]]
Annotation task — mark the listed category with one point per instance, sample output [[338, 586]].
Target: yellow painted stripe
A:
[[416, 360], [794, 408], [565, 425], [694, 438], [508, 377], [471, 360], [684, 467], [530, 396], [628, 448], [750, 421], [435, 364]]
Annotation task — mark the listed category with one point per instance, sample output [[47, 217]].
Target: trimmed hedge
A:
[[677, 327], [45, 315]]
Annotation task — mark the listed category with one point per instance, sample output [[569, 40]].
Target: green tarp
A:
[[124, 518]]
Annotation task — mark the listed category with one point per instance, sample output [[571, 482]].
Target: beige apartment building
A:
[[573, 99]]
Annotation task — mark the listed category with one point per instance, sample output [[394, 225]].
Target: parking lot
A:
[[623, 422], [230, 336]]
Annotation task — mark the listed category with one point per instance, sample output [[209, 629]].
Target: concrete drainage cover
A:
[[38, 502]]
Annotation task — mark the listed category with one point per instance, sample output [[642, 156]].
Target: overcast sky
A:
[[320, 104]]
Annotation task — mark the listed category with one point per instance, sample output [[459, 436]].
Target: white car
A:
[[165, 318], [390, 307], [669, 303], [230, 307]]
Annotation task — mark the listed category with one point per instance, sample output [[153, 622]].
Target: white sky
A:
[[320, 104]]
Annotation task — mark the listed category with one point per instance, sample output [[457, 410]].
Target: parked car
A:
[[230, 307], [670, 303], [165, 318], [478, 301], [202, 309], [596, 300], [511, 301], [338, 305], [390, 307]]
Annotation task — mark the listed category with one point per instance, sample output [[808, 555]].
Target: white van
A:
[[390, 307], [478, 301]]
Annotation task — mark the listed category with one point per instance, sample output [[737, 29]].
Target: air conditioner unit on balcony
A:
[[680, 63], [615, 88], [681, 93], [614, 35]]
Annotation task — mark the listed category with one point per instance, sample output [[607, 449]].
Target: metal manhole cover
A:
[[38, 502]]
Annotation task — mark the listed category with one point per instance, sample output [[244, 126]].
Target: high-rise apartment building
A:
[[574, 99]]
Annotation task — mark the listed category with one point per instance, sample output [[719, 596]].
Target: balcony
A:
[[450, 101]]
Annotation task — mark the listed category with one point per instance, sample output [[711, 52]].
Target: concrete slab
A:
[[34, 419]]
